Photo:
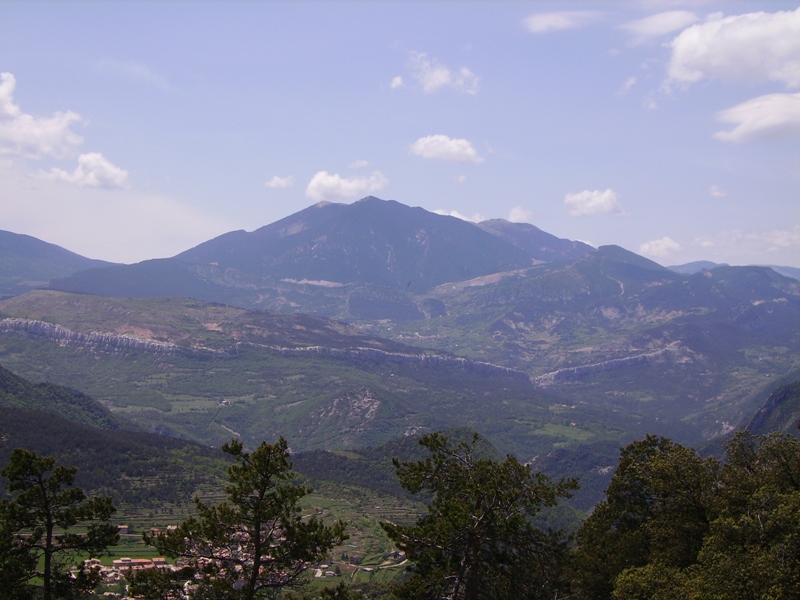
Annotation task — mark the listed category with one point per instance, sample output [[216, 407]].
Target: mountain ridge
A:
[[379, 243], [27, 262]]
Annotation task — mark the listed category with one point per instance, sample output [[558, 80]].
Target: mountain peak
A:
[[371, 242]]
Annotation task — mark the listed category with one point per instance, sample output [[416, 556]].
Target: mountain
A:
[[359, 260], [792, 272], [552, 361], [538, 244], [610, 332], [621, 333], [27, 263], [372, 241], [700, 265], [695, 267]]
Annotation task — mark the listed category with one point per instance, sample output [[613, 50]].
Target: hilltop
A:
[[27, 263]]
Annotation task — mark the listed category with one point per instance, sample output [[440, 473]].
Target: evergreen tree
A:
[[477, 539], [39, 542], [255, 543], [656, 510], [674, 525], [752, 550]]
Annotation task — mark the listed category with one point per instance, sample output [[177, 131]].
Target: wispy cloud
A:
[[736, 242], [767, 117], [118, 225], [559, 21], [279, 183], [717, 191], [658, 25], [446, 148], [433, 75], [626, 86], [135, 72]]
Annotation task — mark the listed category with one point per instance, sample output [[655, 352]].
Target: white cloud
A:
[[753, 47], [359, 164], [476, 218], [661, 247], [558, 21], [135, 72], [397, 82], [280, 183], [658, 25], [433, 75], [594, 202], [33, 137], [766, 117], [520, 215], [445, 148], [717, 191], [93, 170], [626, 86], [460, 178], [324, 186]]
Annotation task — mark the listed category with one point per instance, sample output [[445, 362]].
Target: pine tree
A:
[[39, 542]]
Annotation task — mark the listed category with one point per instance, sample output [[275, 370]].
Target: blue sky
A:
[[137, 130]]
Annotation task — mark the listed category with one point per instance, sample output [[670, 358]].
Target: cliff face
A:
[[115, 342], [108, 341], [780, 412]]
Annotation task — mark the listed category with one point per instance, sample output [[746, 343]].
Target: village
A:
[[115, 582]]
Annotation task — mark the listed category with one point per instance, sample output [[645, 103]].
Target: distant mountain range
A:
[[337, 260], [548, 347], [700, 265], [27, 263]]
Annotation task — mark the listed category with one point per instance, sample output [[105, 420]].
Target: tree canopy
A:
[[675, 525], [477, 539]]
